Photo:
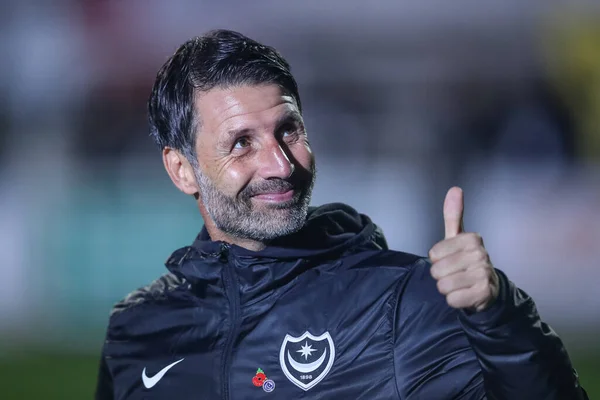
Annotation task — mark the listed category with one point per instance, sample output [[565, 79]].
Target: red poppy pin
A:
[[260, 380]]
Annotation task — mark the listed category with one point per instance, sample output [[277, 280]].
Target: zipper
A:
[[231, 290]]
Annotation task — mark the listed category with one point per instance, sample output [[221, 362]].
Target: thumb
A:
[[453, 212]]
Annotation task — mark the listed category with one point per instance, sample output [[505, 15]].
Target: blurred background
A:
[[402, 100]]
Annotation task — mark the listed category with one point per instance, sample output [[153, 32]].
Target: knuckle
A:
[[434, 251], [475, 239], [434, 270], [441, 266], [438, 270], [454, 301], [443, 286], [431, 254], [481, 255], [440, 286]]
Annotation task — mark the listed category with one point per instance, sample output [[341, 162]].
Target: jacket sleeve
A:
[[503, 353], [104, 385]]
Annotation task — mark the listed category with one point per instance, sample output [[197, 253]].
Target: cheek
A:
[[233, 179], [302, 153]]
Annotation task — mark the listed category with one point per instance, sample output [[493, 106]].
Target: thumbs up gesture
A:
[[460, 263]]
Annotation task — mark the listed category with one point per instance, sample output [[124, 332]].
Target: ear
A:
[[180, 171]]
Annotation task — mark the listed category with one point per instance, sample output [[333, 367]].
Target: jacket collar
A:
[[330, 232]]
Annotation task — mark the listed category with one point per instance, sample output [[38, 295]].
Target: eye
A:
[[241, 143], [289, 132]]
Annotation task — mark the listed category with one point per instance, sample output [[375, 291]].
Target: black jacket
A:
[[327, 313]]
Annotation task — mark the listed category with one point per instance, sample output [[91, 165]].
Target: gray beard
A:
[[240, 218]]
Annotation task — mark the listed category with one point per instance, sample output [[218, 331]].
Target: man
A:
[[278, 299]]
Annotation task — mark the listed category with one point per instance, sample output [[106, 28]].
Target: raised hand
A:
[[461, 265]]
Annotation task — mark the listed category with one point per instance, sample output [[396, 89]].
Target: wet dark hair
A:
[[220, 58]]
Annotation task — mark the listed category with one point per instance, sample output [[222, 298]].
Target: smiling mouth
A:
[[276, 197]]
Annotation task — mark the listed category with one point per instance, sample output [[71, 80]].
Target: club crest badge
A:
[[307, 359]]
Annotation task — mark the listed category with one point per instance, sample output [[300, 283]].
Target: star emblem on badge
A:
[[306, 351]]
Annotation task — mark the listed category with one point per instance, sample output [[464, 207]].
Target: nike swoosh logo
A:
[[149, 382]]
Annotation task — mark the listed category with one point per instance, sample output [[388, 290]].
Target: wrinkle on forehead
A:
[[218, 106]]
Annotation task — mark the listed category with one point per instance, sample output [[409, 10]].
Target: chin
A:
[[291, 220]]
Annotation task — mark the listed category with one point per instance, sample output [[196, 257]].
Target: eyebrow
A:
[[286, 117]]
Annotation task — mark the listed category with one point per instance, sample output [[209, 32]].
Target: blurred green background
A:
[[55, 376]]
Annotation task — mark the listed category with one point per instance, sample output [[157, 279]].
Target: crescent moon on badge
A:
[[306, 368]]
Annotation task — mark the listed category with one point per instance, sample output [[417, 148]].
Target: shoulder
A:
[[414, 282], [420, 285], [386, 260], [418, 293], [143, 321], [156, 291], [394, 268], [145, 311]]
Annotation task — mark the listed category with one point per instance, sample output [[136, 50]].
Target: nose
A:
[[275, 163]]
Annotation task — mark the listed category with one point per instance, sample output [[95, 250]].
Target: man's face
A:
[[255, 166]]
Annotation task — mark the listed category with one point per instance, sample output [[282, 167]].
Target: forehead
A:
[[222, 109]]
